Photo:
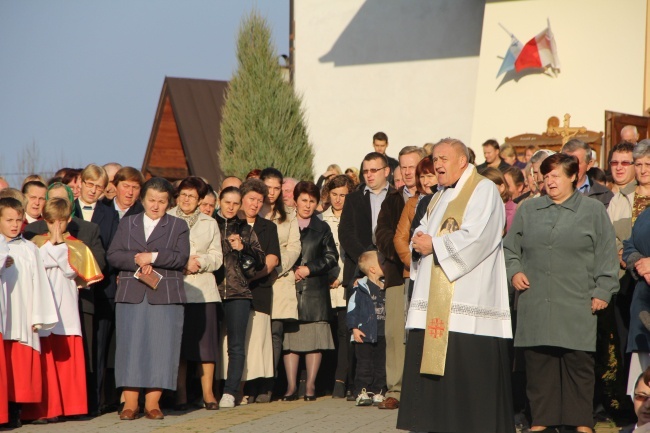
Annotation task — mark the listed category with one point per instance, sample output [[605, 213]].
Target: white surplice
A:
[[472, 257], [29, 296], [64, 288], [4, 253]]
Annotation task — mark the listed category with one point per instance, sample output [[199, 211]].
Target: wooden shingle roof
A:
[[185, 137]]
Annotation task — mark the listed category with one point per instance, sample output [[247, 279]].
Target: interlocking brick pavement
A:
[[324, 415]]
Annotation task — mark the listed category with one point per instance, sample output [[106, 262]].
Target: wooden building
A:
[[185, 137]]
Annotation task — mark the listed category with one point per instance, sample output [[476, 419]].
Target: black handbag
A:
[[247, 264]]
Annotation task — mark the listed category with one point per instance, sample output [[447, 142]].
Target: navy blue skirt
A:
[[148, 344]]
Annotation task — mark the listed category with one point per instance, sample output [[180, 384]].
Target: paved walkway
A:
[[324, 415]]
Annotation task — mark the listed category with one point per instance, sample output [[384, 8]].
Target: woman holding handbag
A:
[[240, 245]]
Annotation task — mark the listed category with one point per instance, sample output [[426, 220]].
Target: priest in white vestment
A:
[[456, 372]]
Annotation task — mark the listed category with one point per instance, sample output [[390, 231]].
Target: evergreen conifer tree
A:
[[262, 123]]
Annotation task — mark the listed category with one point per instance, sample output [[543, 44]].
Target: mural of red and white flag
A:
[[539, 52]]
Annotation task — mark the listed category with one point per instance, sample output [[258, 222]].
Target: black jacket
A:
[[355, 231], [391, 211], [599, 192], [107, 218], [230, 278], [319, 254], [267, 235], [503, 166]]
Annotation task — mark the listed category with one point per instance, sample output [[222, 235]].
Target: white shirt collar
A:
[[385, 188], [83, 203]]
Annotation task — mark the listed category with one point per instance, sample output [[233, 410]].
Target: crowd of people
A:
[[470, 297]]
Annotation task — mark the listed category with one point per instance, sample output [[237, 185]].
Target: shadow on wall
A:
[[389, 31]]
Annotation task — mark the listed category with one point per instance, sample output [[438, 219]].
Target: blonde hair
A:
[[367, 260], [96, 173], [34, 178], [14, 193], [506, 150], [57, 209], [334, 167]]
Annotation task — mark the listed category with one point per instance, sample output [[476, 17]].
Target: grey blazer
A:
[[170, 239]]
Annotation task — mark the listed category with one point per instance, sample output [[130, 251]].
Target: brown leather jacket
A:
[[230, 278]]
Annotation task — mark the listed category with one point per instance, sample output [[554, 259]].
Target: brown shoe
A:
[[389, 403], [129, 414], [153, 414]]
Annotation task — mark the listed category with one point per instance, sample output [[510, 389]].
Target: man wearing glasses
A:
[[641, 405], [621, 214], [359, 216], [89, 207]]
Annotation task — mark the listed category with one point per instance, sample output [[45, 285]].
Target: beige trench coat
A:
[[285, 301], [205, 242]]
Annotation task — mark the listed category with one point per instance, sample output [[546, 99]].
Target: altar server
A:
[[70, 265], [29, 307]]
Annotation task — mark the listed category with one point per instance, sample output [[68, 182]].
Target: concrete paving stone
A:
[[324, 415]]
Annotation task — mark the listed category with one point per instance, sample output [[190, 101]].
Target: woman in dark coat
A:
[[237, 237], [149, 322], [311, 334]]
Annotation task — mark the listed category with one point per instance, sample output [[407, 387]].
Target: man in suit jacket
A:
[[391, 211], [359, 219], [88, 207], [360, 212], [128, 182]]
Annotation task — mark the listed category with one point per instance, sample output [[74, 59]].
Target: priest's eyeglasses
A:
[[622, 163], [372, 170]]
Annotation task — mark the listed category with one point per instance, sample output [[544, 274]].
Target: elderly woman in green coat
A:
[[561, 256]]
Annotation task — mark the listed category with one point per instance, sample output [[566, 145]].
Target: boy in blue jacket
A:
[[366, 319]]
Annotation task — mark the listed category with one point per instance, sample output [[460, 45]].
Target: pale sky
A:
[[81, 79]]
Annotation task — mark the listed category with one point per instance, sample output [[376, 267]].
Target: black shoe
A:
[[339, 390], [292, 397], [310, 398], [14, 416], [349, 396], [181, 407]]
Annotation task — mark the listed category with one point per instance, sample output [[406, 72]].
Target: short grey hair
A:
[[412, 149], [642, 149], [455, 143], [540, 156], [575, 144]]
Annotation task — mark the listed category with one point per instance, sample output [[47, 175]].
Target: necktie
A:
[[87, 208]]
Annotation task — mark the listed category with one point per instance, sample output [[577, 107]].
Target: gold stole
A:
[[80, 259], [441, 290]]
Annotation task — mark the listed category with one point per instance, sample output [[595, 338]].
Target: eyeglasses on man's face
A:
[[372, 170]]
